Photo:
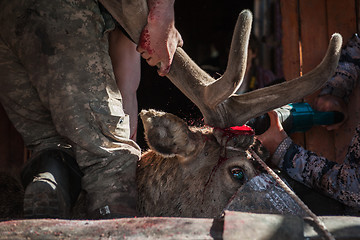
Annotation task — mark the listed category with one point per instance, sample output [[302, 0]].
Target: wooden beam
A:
[[235, 225]]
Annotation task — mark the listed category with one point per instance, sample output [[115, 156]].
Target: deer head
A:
[[194, 172]]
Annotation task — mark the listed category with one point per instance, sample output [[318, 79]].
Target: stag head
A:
[[189, 171], [193, 172]]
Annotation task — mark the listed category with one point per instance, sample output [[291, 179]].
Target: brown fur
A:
[[199, 184]]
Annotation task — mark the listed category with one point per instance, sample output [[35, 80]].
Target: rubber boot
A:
[[52, 182]]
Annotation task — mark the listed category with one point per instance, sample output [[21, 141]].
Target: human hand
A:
[[272, 138], [327, 103], [159, 39]]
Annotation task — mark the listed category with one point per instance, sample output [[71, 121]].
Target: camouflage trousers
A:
[[59, 90]]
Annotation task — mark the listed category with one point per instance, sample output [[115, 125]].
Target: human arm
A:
[[127, 70], [338, 181], [159, 38]]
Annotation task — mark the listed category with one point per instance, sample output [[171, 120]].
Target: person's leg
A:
[[70, 67], [127, 69], [47, 174]]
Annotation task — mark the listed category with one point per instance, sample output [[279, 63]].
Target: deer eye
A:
[[238, 174]]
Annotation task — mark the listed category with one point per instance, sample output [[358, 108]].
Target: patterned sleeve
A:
[[347, 72], [338, 181]]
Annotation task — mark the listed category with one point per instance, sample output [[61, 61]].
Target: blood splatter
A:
[[144, 42]]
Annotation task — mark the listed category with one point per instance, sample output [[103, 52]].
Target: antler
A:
[[215, 97]]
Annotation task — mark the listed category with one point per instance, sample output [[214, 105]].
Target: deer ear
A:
[[168, 135]]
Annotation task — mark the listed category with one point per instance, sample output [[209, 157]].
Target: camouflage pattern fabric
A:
[[58, 89], [339, 181], [347, 72]]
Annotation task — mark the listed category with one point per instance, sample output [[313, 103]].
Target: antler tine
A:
[[231, 80], [240, 108], [202, 89]]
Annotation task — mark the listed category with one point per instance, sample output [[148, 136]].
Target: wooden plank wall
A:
[[307, 27]]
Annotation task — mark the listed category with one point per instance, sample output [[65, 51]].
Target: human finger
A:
[[151, 61], [140, 49], [145, 55], [180, 42], [163, 69], [275, 121]]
